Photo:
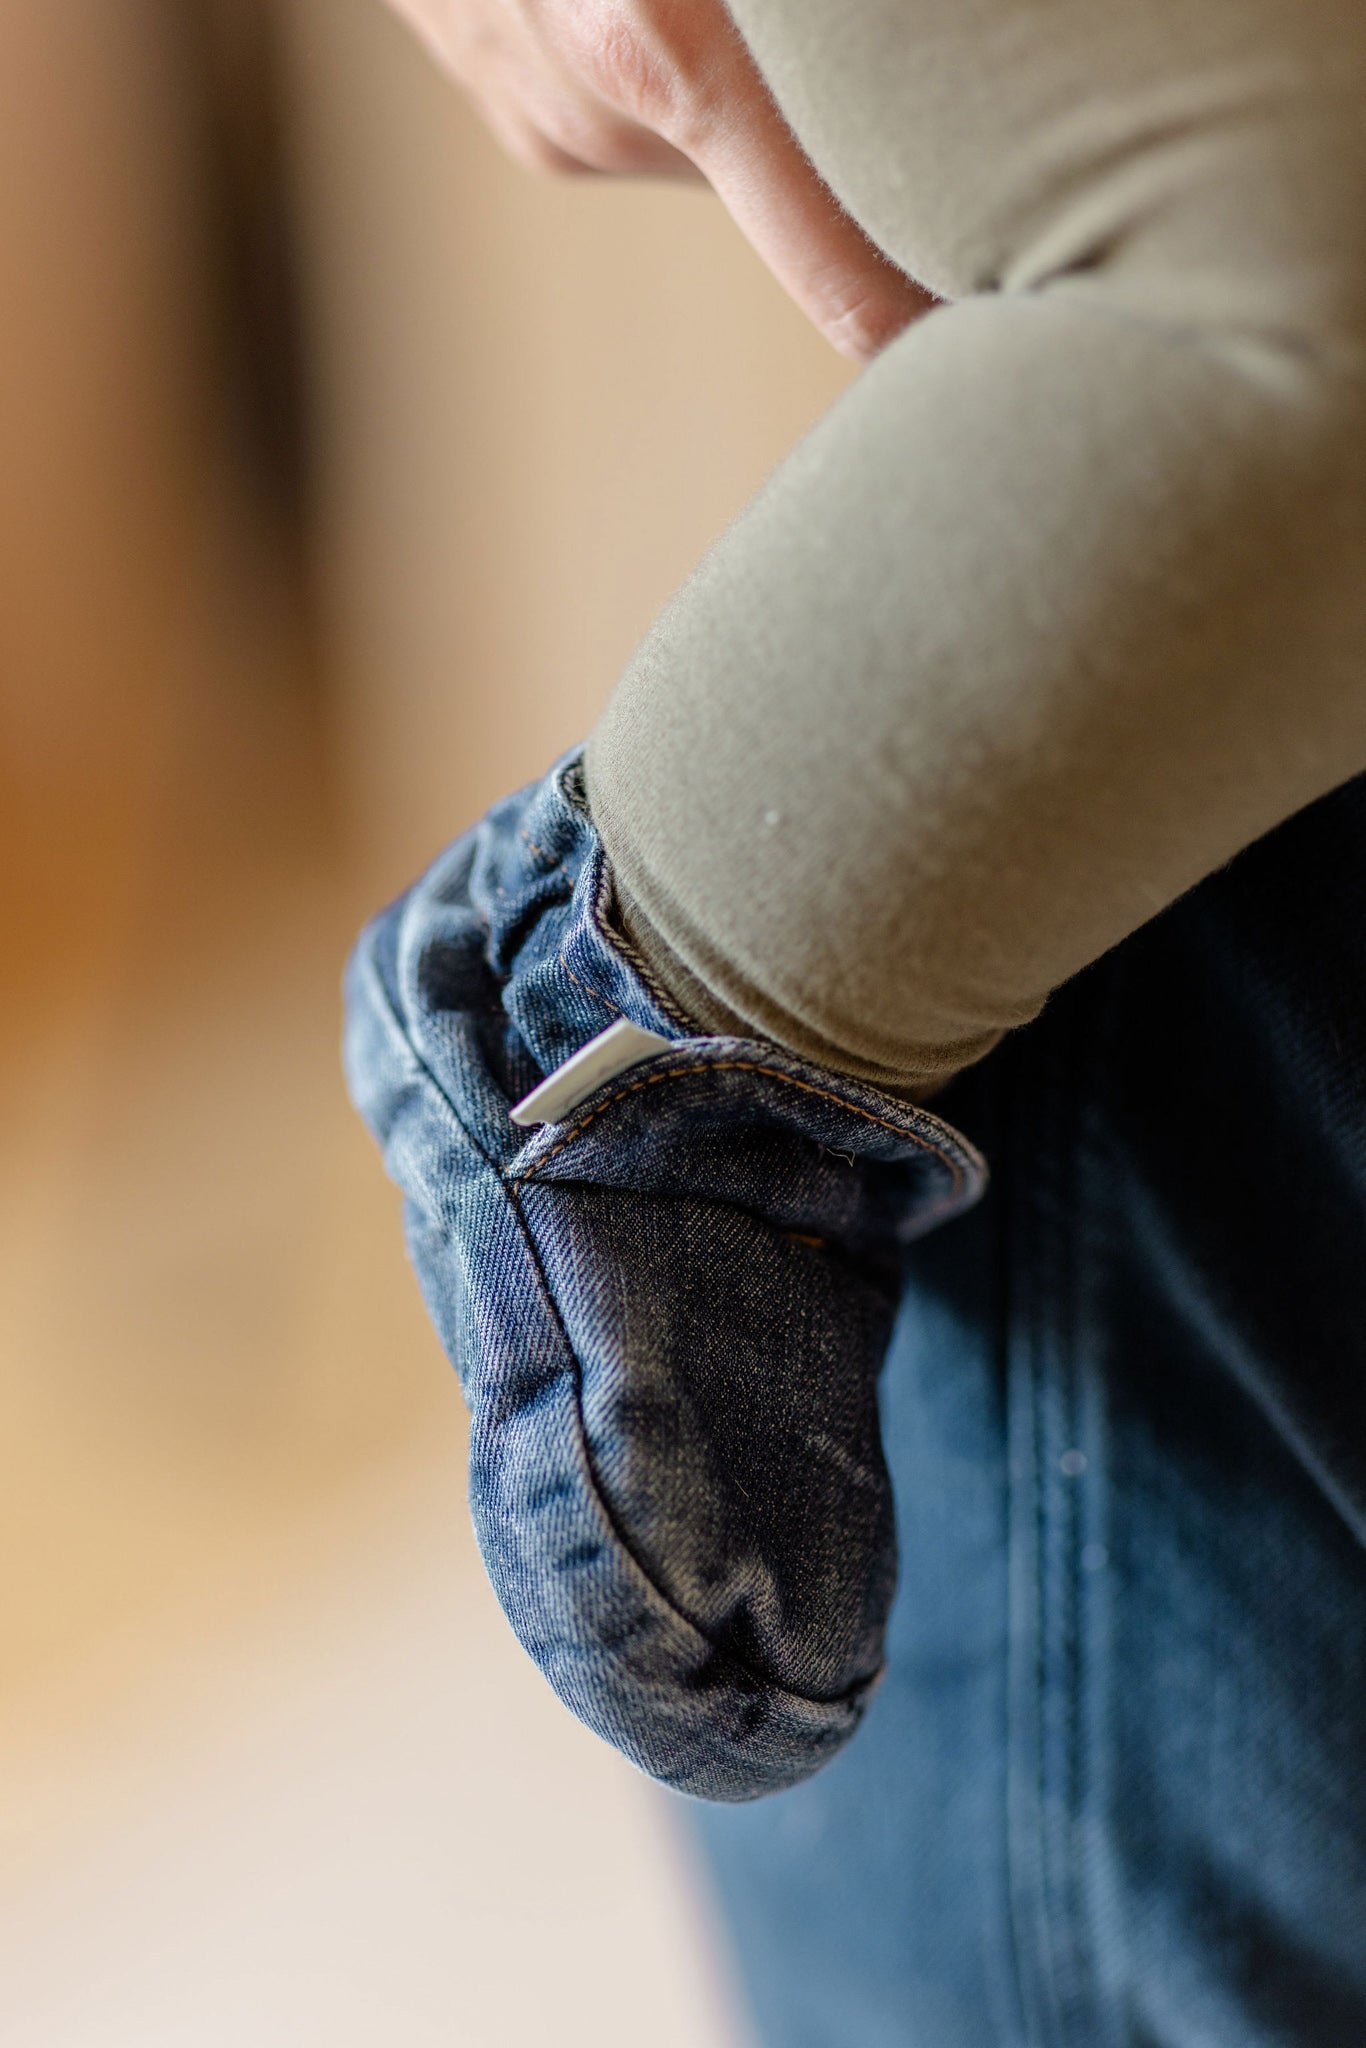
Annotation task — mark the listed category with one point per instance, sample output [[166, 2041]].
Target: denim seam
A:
[[774, 1074], [574, 766], [671, 1073], [728, 1660], [1026, 1878], [1018, 1981], [424, 1073], [1046, 1377], [1054, 1577], [616, 944], [1096, 996], [597, 996], [653, 987], [1067, 1223], [620, 945]]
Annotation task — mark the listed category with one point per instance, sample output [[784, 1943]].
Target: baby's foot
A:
[[668, 1305]]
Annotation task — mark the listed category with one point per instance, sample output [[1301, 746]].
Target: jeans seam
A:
[[1026, 1827], [618, 943], [596, 994], [423, 1072], [672, 1073], [1048, 1745]]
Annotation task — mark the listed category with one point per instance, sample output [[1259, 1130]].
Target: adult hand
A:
[[667, 88]]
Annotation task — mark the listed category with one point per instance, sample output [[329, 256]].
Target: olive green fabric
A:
[[1064, 602]]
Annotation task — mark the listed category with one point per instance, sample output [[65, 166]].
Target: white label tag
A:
[[621, 1046]]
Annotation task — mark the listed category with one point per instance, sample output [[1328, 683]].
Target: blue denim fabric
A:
[[668, 1312], [1112, 1791]]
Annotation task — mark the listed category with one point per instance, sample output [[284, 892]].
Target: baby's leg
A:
[[1063, 603]]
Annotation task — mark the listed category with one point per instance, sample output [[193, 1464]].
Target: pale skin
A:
[[666, 88]]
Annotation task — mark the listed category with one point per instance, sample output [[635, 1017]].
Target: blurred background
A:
[[341, 465]]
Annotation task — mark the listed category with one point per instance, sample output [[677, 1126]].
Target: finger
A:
[[542, 118], [842, 281]]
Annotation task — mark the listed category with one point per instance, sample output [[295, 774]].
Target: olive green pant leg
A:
[[1063, 603]]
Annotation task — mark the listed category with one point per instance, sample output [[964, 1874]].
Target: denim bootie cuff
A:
[[668, 1309]]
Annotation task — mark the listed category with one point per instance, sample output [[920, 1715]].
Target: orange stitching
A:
[[540, 851], [589, 991], [744, 1067]]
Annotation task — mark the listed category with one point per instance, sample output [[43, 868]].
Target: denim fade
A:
[[668, 1312]]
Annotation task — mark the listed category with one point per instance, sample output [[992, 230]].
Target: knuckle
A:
[[633, 55], [639, 77]]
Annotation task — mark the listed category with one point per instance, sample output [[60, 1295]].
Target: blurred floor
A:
[[273, 1769], [363, 1824]]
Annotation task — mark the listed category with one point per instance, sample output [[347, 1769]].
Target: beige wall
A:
[[101, 423], [541, 401], [271, 1767]]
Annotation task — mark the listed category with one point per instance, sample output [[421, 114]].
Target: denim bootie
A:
[[668, 1307]]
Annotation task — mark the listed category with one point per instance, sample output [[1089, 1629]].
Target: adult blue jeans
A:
[[1111, 1789], [1112, 1792]]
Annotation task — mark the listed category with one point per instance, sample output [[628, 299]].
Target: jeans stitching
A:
[[615, 1008], [750, 1067], [539, 852], [620, 946]]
